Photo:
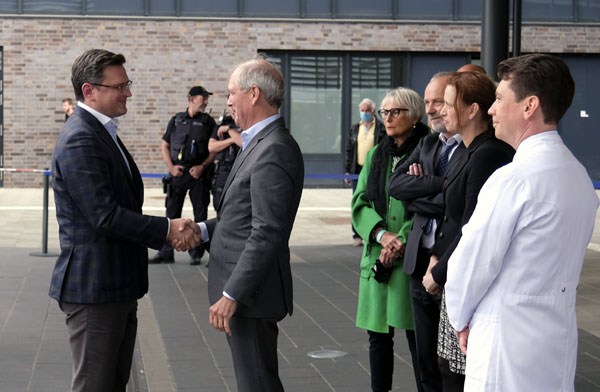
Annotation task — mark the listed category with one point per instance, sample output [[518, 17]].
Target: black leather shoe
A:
[[196, 261], [161, 259]]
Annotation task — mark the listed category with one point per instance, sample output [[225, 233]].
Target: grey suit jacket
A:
[[249, 252], [421, 195]]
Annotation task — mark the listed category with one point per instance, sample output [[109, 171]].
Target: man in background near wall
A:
[[67, 107], [362, 137], [184, 149]]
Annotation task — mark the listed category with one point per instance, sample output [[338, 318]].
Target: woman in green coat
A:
[[383, 224]]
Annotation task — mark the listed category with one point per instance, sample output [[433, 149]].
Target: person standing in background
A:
[[362, 137], [184, 149], [67, 107]]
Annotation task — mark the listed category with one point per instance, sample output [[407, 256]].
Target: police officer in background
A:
[[225, 142], [185, 151]]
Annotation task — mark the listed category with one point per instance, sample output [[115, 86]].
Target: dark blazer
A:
[[484, 155], [351, 162], [103, 234], [422, 195], [250, 256]]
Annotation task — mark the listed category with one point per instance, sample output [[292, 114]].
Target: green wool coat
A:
[[380, 305]]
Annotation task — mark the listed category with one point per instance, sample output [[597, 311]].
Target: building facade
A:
[[332, 53]]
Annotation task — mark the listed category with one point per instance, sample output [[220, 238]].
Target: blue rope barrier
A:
[[309, 176]]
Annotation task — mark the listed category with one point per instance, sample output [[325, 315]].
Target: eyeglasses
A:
[[394, 112], [121, 87]]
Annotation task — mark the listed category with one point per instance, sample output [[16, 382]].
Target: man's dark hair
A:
[[68, 100], [547, 77], [90, 66]]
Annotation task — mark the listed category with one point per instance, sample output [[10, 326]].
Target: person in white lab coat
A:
[[512, 280]]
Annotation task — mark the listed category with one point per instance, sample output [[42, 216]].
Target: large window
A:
[[316, 94], [323, 90], [372, 77]]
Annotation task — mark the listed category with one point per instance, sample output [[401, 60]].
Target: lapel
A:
[[134, 179], [243, 155], [457, 169]]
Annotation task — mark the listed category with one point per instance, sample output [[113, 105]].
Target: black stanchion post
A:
[[44, 252]]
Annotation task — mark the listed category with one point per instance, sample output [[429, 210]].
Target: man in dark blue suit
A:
[[102, 269], [423, 196]]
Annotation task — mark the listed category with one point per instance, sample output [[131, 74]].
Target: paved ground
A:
[[178, 351]]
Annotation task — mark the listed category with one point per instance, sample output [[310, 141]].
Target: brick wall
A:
[[166, 57]]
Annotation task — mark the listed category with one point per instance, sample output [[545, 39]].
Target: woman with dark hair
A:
[[467, 98], [383, 223]]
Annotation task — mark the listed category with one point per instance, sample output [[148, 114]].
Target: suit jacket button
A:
[[441, 235], [445, 218]]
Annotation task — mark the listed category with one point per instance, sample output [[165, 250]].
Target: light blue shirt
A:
[[249, 133]]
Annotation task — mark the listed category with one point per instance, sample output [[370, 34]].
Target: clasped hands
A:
[[393, 248], [184, 234]]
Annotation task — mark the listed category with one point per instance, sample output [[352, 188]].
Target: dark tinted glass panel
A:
[[547, 9], [318, 8], [589, 10], [316, 96], [162, 7], [373, 77], [290, 8], [469, 9], [380, 9], [8, 5], [433, 9], [113, 7], [52, 6], [209, 7]]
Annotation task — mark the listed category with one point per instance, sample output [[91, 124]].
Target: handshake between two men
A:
[[184, 234]]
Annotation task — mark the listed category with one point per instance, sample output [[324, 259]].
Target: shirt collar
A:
[[103, 118], [249, 133], [455, 139]]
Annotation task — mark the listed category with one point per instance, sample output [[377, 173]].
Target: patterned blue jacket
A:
[[103, 233]]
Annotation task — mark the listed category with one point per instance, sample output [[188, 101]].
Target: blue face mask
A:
[[366, 117]]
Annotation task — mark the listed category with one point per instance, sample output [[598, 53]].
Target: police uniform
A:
[[188, 142], [223, 160]]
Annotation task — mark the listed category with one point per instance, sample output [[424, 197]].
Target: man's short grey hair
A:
[[367, 101], [443, 74], [410, 99], [264, 75]]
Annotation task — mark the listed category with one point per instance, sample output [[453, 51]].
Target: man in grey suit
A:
[[423, 196], [249, 278]]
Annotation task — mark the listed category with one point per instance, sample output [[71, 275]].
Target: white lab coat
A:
[[513, 277]]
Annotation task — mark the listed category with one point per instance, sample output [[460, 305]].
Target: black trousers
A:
[[426, 314], [102, 339], [199, 191], [381, 359], [253, 344]]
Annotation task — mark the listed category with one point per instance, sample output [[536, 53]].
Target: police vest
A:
[[189, 139]]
